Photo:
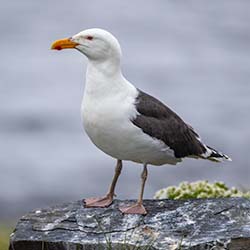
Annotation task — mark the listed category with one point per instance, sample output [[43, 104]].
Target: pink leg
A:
[[138, 208], [106, 200]]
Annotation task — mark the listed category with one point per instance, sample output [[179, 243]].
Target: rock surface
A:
[[170, 225]]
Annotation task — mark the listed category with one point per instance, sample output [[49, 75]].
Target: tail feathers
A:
[[214, 155]]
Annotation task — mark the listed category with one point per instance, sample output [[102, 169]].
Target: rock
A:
[[170, 225]]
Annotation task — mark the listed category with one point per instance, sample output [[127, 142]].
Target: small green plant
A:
[[199, 189], [4, 237]]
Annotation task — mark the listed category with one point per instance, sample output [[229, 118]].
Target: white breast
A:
[[106, 120]]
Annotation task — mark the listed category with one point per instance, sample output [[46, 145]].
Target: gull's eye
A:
[[89, 37]]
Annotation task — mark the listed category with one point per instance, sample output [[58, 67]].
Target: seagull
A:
[[125, 122]]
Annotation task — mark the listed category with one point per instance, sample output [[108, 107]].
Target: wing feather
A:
[[159, 121]]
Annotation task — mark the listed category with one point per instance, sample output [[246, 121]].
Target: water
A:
[[193, 55]]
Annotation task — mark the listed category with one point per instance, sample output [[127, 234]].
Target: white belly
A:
[[108, 125]]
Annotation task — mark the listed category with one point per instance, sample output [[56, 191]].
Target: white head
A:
[[96, 44]]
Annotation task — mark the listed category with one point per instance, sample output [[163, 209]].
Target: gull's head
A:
[[96, 44]]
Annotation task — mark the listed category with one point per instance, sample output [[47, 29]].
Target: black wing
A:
[[160, 122]]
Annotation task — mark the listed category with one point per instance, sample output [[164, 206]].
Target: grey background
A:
[[193, 55]]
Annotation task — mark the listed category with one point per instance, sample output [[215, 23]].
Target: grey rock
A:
[[216, 224]]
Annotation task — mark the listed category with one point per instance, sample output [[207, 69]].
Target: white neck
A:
[[106, 68], [104, 78]]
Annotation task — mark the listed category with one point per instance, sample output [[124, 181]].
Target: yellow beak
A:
[[63, 44]]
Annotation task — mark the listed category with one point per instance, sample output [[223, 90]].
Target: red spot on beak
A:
[[58, 47]]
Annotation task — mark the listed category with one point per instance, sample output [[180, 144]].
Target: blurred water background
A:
[[193, 55]]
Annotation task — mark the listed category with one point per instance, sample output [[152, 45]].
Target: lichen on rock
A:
[[199, 189]]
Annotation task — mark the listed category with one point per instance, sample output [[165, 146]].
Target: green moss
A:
[[5, 232], [199, 189]]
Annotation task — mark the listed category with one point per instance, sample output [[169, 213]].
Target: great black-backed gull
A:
[[126, 123]]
